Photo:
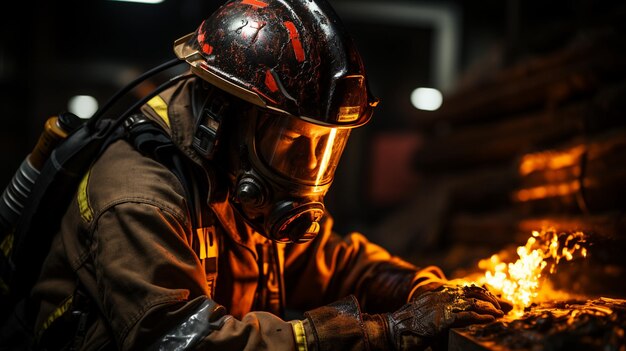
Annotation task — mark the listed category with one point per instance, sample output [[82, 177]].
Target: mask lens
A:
[[300, 150]]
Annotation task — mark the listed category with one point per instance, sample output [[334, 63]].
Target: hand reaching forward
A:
[[429, 315], [415, 326]]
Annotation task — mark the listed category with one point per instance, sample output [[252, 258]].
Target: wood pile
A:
[[539, 143]]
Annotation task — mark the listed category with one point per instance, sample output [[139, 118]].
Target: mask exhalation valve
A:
[[292, 223]]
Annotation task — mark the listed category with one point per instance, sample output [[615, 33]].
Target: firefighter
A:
[[262, 118]]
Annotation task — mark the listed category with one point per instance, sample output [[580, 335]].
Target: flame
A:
[[519, 282]]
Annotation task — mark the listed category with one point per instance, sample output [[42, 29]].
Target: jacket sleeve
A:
[[332, 267], [152, 290]]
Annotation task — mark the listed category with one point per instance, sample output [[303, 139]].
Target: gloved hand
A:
[[415, 326], [429, 315], [438, 281]]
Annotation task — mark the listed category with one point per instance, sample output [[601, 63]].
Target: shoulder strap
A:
[[152, 141]]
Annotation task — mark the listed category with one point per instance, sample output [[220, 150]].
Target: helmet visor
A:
[[299, 150]]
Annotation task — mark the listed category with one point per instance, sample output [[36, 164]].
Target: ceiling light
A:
[[427, 99], [83, 106]]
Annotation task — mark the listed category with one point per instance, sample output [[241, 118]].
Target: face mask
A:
[[287, 166]]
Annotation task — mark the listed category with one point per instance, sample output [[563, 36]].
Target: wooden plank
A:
[[544, 81], [581, 176], [584, 176], [494, 229], [509, 138], [508, 226]]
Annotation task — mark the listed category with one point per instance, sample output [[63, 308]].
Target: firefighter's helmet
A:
[[291, 56]]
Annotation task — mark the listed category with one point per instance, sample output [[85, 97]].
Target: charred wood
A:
[[586, 177], [499, 142], [550, 80], [595, 324]]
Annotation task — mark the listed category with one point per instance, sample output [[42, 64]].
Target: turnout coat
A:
[[128, 270]]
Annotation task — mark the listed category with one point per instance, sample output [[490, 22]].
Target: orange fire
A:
[[519, 282]]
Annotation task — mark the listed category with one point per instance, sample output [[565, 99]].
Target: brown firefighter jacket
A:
[[152, 281]]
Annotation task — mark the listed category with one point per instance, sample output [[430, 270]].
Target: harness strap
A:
[[152, 141]]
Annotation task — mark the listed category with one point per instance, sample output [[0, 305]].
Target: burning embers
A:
[[566, 325], [520, 282]]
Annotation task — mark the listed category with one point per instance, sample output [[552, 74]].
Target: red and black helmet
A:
[[290, 56]]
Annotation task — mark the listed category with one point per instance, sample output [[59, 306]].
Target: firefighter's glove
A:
[[427, 317], [416, 326]]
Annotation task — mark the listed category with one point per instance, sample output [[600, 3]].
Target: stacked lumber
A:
[[539, 143]]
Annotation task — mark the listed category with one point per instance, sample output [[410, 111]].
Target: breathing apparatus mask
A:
[[286, 167]]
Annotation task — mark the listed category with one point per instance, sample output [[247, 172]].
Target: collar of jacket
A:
[[171, 109]]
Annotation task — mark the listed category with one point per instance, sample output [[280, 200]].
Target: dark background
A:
[[389, 184]]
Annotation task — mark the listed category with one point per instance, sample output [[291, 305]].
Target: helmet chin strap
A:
[[209, 108]]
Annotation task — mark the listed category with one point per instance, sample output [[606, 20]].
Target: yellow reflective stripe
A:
[[83, 201], [298, 333], [160, 107], [208, 243], [58, 312], [202, 239], [7, 245]]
